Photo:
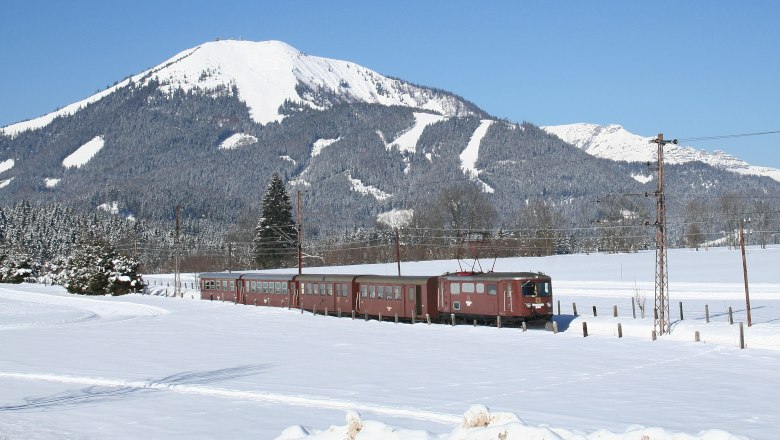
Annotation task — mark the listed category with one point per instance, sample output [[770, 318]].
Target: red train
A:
[[466, 296]]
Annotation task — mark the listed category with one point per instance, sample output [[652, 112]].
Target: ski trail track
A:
[[122, 386]]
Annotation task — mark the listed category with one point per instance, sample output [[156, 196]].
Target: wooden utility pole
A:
[[177, 276], [662, 325], [300, 234], [230, 257], [398, 251], [744, 270]]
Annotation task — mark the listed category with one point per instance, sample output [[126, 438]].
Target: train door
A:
[[507, 303]]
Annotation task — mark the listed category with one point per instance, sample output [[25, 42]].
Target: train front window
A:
[[529, 288], [544, 289]]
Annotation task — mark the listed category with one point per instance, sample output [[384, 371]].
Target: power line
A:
[[728, 136]]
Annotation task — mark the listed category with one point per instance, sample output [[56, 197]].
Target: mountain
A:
[[206, 130], [615, 143]]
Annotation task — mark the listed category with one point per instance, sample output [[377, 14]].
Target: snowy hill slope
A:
[[268, 73], [615, 143]]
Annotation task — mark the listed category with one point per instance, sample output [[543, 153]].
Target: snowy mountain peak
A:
[[265, 75], [615, 143]]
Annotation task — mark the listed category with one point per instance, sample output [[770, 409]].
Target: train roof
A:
[[495, 276], [221, 275], [394, 279], [311, 277], [268, 276]]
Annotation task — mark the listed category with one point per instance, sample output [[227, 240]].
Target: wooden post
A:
[[353, 314], [396, 318], [633, 308], [475, 323], [559, 307], [498, 321], [681, 311], [555, 327], [655, 335], [525, 326], [428, 318], [574, 307], [620, 330], [255, 302], [707, 312], [413, 316], [744, 271], [741, 336], [365, 315], [584, 329], [380, 317], [339, 312], [731, 316], [314, 310], [211, 297], [697, 336], [326, 310], [614, 311], [594, 311], [452, 317]]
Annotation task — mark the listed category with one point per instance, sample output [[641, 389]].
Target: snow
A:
[[397, 218], [6, 165], [320, 145], [160, 367], [51, 182], [360, 187], [84, 153], [237, 140], [615, 143], [6, 182], [111, 208], [407, 142], [470, 155], [642, 178]]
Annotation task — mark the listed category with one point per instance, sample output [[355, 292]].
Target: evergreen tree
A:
[[95, 268], [275, 236]]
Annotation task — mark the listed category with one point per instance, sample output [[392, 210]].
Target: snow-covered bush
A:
[[95, 268], [16, 267]]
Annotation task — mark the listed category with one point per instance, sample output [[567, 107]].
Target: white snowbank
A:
[[481, 424], [6, 182], [320, 145], [237, 140], [642, 178], [84, 153], [51, 182], [111, 208]]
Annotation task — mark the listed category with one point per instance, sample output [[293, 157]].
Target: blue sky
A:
[[688, 69]]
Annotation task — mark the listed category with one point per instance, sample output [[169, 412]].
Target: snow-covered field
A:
[[143, 366]]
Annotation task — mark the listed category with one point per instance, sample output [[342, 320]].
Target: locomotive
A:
[[509, 297]]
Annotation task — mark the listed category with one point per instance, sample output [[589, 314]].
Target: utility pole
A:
[[300, 234], [661, 325], [398, 251], [230, 257], [744, 270], [177, 276]]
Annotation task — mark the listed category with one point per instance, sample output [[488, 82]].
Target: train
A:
[[486, 297]]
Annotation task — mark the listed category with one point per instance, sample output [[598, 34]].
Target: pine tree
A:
[[275, 235], [95, 268]]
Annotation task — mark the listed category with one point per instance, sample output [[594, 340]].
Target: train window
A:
[[224, 285], [284, 288], [529, 288], [544, 289], [492, 289], [372, 291], [467, 287], [252, 286], [410, 294], [364, 291], [232, 285], [305, 289], [330, 289], [397, 292], [380, 292], [455, 288], [389, 292], [480, 288], [345, 290], [278, 287], [456, 305]]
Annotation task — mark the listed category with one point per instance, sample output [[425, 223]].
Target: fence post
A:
[[697, 336], [452, 317], [559, 307], [255, 302], [314, 310], [555, 327], [574, 308], [365, 316], [633, 308], [707, 312], [413, 316], [584, 329], [525, 326], [326, 311], [681, 311], [614, 311], [498, 321], [594, 310], [731, 316], [339, 312], [741, 336], [428, 318], [353, 314], [380, 317], [655, 335], [620, 330], [396, 318]]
